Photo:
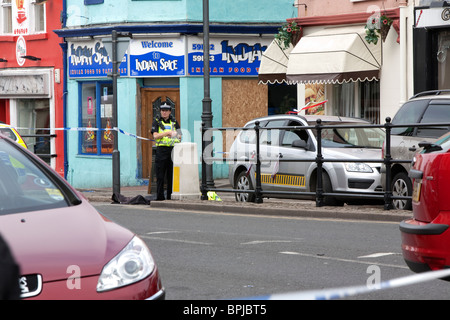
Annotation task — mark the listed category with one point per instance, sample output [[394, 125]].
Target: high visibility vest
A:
[[167, 141]]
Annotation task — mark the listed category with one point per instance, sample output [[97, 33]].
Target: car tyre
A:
[[328, 188], [243, 182], [401, 186]]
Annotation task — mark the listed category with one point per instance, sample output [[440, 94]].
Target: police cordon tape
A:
[[86, 129], [339, 293]]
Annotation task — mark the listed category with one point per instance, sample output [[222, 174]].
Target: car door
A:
[[269, 150], [295, 144]]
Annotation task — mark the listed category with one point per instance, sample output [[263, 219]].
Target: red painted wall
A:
[[47, 47]]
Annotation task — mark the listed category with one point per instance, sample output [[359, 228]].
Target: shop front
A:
[[31, 84], [336, 69], [431, 45], [155, 70]]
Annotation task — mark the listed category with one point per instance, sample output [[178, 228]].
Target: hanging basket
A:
[[296, 36], [384, 31]]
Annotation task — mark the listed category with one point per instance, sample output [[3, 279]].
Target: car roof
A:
[[309, 118], [433, 94]]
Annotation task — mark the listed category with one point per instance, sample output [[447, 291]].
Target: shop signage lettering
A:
[[241, 52], [432, 17], [169, 58], [157, 58], [20, 12], [157, 44], [90, 59], [228, 57]]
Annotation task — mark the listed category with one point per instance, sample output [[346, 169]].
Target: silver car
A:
[[426, 107], [301, 144]]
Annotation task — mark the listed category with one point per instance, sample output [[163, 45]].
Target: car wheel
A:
[[328, 188], [401, 186], [243, 182]]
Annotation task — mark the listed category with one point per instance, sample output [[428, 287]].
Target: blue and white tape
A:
[[83, 129], [339, 293]]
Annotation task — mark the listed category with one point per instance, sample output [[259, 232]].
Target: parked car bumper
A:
[[425, 245]]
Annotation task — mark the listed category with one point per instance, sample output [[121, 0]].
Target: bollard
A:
[[185, 171]]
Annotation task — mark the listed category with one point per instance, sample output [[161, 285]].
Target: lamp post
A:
[[117, 49], [116, 152], [207, 115]]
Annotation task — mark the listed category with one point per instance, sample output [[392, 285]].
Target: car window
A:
[[435, 113], [410, 112], [290, 136], [356, 137], [23, 185], [272, 136], [248, 136], [9, 133]]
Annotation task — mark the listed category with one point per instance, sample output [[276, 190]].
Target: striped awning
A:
[[274, 64], [334, 55]]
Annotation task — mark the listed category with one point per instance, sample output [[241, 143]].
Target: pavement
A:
[[269, 207]]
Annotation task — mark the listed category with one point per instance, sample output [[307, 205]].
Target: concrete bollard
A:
[[185, 171]]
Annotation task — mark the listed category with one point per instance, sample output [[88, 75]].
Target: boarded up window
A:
[[242, 101]]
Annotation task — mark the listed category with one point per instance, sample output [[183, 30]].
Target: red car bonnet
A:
[[48, 242]]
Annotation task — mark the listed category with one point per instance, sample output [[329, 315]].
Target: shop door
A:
[[151, 100]]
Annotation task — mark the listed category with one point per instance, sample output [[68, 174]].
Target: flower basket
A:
[[288, 34], [378, 27]]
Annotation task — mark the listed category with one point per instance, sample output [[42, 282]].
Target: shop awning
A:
[[274, 64], [334, 55]]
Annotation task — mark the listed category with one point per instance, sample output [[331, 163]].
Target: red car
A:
[[65, 248], [426, 237]]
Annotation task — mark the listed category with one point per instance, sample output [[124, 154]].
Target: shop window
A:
[[282, 98], [5, 17], [33, 121], [97, 118], [443, 61], [39, 16], [358, 100]]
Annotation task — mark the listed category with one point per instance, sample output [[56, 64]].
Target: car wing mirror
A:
[[429, 146]]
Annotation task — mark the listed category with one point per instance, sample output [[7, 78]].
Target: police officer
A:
[[166, 132]]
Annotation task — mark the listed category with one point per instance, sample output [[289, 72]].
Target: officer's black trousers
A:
[[164, 170]]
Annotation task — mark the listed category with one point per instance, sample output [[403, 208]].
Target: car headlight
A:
[[132, 264], [358, 167]]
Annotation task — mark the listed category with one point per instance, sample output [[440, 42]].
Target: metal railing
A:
[[319, 194]]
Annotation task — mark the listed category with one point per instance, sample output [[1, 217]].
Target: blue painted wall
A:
[[118, 11]]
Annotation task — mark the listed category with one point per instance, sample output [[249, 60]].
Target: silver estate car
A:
[[426, 107], [290, 144]]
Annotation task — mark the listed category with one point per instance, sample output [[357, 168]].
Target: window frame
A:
[[4, 5], [98, 119]]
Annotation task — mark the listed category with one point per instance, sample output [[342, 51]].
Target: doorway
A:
[[151, 99]]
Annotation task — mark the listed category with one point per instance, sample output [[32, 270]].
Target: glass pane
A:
[[39, 17], [344, 100], [34, 114], [435, 113], [409, 113], [370, 101], [443, 61], [106, 102], [24, 186], [88, 118]]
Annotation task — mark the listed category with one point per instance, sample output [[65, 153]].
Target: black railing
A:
[[46, 137], [319, 194]]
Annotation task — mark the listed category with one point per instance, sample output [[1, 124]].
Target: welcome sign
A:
[[157, 57]]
